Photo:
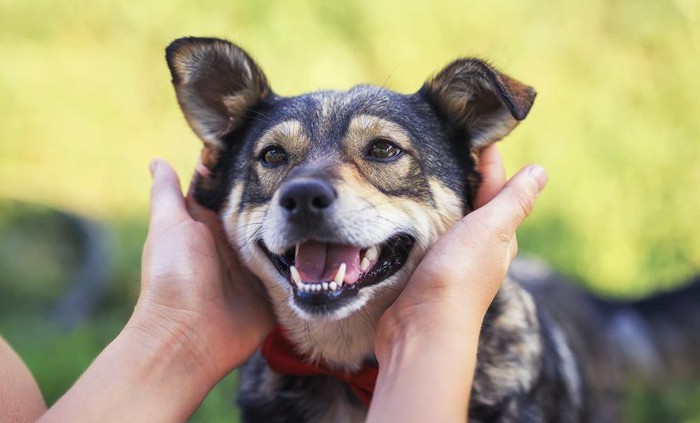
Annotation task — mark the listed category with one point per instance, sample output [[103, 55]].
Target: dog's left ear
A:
[[217, 85], [479, 100]]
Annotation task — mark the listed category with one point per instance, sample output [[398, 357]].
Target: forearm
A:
[[138, 377], [20, 398], [435, 370]]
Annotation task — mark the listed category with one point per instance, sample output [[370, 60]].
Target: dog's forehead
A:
[[326, 115]]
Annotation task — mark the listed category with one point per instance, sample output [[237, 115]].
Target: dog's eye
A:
[[273, 156], [383, 150]]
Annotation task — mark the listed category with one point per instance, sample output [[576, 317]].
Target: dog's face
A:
[[331, 198]]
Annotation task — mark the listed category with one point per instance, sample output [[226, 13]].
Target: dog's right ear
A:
[[216, 83]]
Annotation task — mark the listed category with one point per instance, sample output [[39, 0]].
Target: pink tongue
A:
[[319, 261]]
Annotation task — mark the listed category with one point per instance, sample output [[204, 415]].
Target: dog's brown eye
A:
[[273, 156], [383, 150]]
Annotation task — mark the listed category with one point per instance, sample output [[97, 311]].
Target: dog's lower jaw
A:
[[346, 343]]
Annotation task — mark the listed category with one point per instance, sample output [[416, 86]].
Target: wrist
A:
[[450, 325], [147, 373], [433, 369], [171, 339]]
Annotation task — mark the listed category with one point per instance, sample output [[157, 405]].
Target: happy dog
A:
[[332, 198]]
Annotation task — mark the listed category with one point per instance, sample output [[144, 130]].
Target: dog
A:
[[332, 198]]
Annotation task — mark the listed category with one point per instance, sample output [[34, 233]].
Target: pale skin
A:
[[201, 315]]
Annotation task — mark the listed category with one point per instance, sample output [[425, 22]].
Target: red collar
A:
[[282, 358]]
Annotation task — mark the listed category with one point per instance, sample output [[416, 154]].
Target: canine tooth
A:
[[296, 251], [296, 277], [325, 286], [372, 253], [340, 275], [364, 264], [333, 286]]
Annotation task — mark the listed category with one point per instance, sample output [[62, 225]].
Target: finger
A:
[[204, 215], [166, 196], [199, 212], [514, 202], [493, 173], [213, 223]]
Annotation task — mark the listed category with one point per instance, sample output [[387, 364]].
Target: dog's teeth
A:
[[296, 251], [364, 264], [317, 287], [372, 253], [296, 277], [333, 286], [340, 275], [325, 286]]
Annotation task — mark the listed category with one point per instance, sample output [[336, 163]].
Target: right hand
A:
[[457, 280]]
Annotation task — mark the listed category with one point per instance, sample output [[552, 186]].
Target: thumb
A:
[[166, 196]]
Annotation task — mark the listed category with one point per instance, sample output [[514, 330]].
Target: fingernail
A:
[[538, 173], [202, 170], [153, 166]]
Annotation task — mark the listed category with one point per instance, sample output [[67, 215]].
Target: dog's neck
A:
[[343, 344]]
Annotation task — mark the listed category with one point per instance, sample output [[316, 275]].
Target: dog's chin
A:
[[333, 297]]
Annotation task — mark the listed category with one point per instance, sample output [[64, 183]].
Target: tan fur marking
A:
[[289, 135], [448, 205], [362, 130]]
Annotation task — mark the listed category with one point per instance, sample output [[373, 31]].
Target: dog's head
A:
[[331, 198]]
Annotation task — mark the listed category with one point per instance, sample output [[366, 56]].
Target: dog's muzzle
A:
[[326, 273]]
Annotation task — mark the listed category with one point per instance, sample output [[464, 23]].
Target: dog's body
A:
[[332, 198]]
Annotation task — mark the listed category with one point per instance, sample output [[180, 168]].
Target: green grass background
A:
[[86, 102]]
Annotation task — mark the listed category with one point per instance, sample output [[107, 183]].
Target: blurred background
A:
[[86, 102]]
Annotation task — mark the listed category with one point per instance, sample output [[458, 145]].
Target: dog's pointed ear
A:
[[479, 100], [216, 83]]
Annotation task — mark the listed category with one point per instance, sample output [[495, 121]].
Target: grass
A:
[[87, 102]]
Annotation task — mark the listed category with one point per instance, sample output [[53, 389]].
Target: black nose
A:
[[306, 198]]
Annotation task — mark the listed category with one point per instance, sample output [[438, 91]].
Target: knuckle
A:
[[525, 202], [503, 234]]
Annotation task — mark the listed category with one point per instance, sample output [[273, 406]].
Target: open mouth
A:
[[323, 273]]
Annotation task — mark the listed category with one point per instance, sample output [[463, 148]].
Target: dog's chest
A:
[[265, 396]]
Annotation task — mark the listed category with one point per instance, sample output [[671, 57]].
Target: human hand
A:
[[192, 285], [426, 342], [198, 316], [460, 275]]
